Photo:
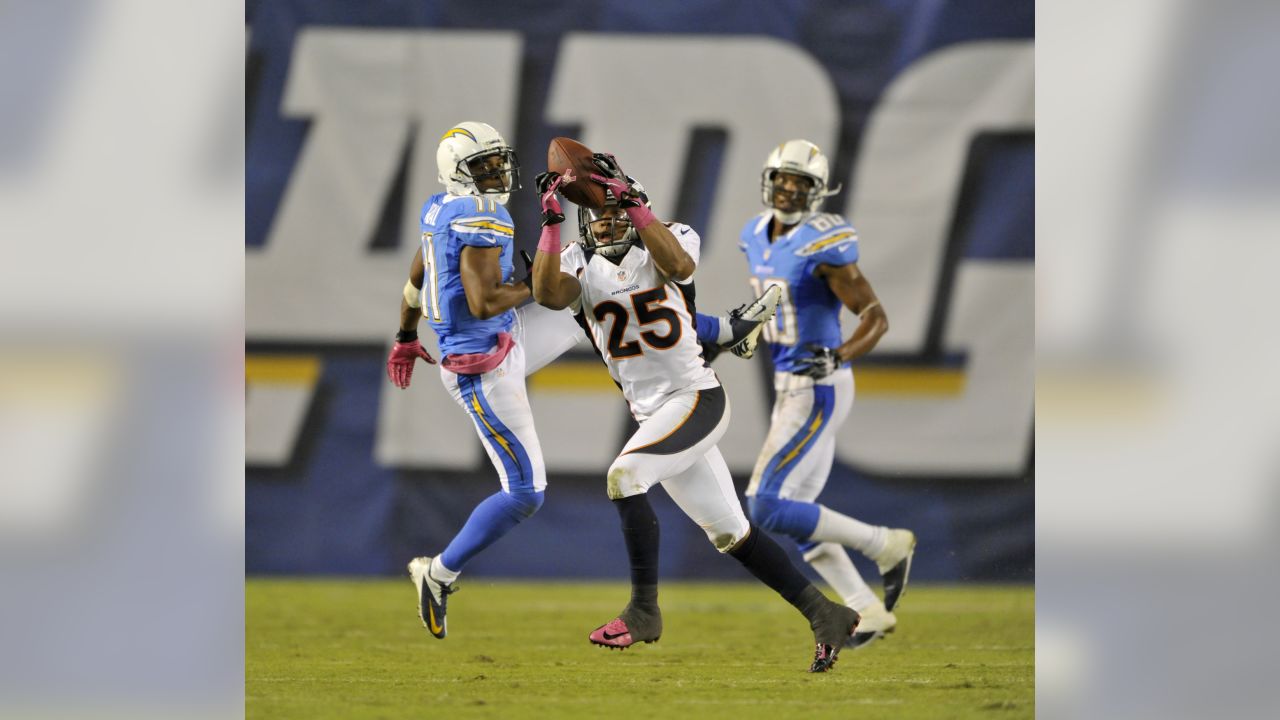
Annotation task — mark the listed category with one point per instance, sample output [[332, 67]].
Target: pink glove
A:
[[621, 189], [618, 186], [548, 183], [400, 363]]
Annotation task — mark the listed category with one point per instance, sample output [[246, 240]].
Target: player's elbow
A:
[[882, 326], [683, 270], [480, 309], [877, 321], [546, 296]]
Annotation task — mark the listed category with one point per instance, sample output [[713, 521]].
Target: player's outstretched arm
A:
[[410, 308], [668, 255], [552, 287], [487, 295], [851, 286], [671, 259]]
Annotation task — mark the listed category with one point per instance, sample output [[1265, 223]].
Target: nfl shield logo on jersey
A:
[[622, 274]]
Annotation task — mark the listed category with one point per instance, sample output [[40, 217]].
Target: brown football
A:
[[567, 154]]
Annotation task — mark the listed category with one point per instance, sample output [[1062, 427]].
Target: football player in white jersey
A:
[[812, 257], [629, 282], [462, 280]]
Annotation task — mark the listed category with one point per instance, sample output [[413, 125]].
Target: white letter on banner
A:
[[315, 280], [908, 178]]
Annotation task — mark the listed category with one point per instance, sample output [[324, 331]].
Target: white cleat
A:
[[748, 322], [876, 623], [895, 565]]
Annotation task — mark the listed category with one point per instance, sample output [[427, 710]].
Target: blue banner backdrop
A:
[[326, 494]]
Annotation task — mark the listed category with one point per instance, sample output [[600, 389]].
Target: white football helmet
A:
[[467, 142], [799, 157]]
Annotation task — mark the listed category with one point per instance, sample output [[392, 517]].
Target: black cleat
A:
[[433, 596], [824, 658], [874, 623], [830, 632], [747, 322], [894, 564]]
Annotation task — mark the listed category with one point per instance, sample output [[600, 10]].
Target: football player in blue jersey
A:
[[812, 257], [462, 280]]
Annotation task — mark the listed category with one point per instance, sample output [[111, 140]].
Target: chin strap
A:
[[790, 218]]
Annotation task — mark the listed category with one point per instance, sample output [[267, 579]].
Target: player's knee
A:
[[526, 502], [624, 480], [789, 517], [767, 512], [727, 534], [810, 550]]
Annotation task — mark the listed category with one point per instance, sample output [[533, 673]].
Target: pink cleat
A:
[[616, 634]]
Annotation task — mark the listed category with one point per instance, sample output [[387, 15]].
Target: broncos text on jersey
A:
[[641, 322]]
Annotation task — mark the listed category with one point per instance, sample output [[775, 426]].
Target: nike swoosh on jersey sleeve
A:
[[689, 239]]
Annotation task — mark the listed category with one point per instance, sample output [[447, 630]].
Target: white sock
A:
[[834, 565], [726, 331], [844, 530], [440, 573]]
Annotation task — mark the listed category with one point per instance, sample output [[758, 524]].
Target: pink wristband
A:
[[641, 217], [549, 241]]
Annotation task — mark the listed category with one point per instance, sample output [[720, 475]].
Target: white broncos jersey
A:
[[641, 322]]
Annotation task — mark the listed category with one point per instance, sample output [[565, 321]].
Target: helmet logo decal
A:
[[458, 132]]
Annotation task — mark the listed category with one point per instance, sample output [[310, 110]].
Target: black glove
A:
[[823, 362], [547, 184], [528, 268], [608, 166]]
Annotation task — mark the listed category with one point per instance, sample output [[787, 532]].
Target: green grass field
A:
[[356, 649]]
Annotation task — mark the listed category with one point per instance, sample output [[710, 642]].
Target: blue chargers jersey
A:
[[449, 223], [808, 312]]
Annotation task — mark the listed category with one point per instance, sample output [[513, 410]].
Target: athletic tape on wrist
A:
[[641, 217], [549, 241]]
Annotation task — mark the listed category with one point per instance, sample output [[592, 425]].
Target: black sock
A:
[[640, 530], [766, 559]]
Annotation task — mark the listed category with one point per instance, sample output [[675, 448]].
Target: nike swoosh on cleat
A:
[[608, 636], [432, 625]]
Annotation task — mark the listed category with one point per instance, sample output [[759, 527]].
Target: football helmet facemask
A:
[[621, 234]]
